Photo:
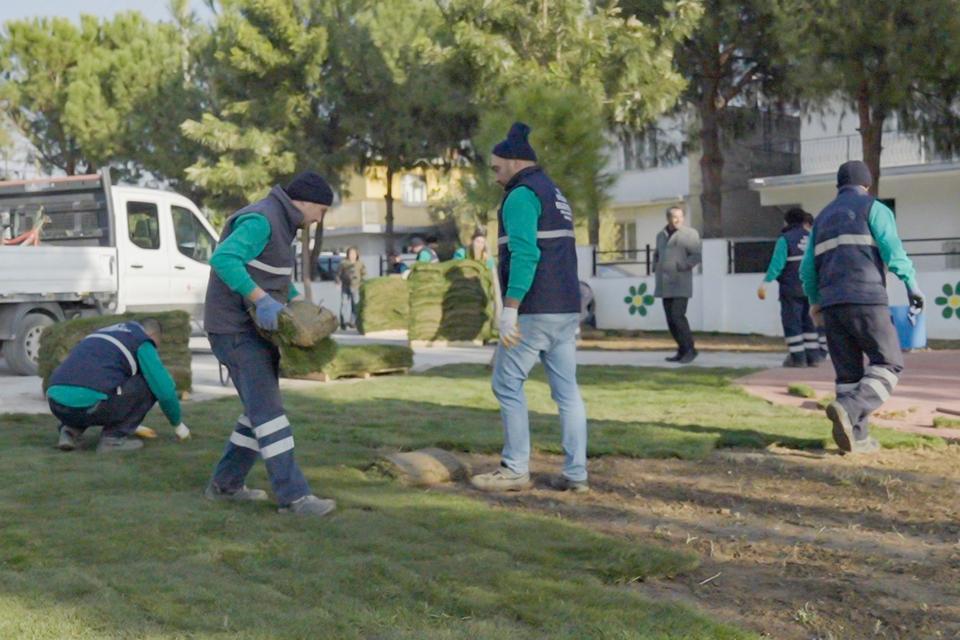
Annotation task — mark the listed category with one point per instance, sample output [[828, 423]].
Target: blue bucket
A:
[[911, 337]]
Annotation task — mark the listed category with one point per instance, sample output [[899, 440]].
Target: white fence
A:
[[728, 302]]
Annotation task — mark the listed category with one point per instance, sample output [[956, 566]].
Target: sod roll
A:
[[302, 324], [336, 361], [174, 344], [384, 304], [451, 301]]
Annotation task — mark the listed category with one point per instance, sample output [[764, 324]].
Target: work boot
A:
[[501, 480], [674, 358], [689, 356], [842, 426], [69, 438], [243, 494], [112, 444], [814, 360], [795, 361], [867, 445], [310, 506], [563, 483]]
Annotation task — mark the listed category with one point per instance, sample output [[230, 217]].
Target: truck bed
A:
[[56, 273]]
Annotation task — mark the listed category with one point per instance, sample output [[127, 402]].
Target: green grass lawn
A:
[[126, 547]]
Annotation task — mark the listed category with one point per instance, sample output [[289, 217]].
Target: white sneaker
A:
[[501, 480]]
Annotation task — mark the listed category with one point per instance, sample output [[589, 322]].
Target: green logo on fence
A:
[[950, 301], [639, 299]]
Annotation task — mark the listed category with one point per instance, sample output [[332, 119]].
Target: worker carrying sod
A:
[[250, 284], [112, 379], [853, 241], [802, 337], [540, 315]]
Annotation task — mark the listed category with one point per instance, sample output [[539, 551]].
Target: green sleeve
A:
[[73, 396], [424, 256], [808, 270], [460, 254], [159, 381], [778, 261], [883, 226], [251, 232], [521, 211], [293, 292]]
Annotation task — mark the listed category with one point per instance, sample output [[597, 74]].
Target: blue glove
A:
[[268, 310]]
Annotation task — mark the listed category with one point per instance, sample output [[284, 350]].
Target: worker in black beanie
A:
[[854, 241], [250, 283]]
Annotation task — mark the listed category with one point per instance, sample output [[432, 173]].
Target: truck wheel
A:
[[22, 353]]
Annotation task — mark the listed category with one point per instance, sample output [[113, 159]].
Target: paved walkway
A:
[[930, 381]]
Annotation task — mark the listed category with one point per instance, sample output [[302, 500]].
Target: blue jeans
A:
[[263, 429], [349, 299], [551, 338]]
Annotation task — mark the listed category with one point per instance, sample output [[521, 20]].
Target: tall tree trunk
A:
[[305, 263], [317, 247], [871, 136], [593, 222], [389, 198], [711, 167]]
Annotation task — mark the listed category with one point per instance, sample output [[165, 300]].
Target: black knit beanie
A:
[[854, 172], [516, 146], [310, 187]]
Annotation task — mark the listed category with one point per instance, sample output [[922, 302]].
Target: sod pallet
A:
[[452, 302], [174, 345], [384, 305], [327, 360]]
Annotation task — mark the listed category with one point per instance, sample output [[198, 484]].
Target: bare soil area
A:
[[793, 545]]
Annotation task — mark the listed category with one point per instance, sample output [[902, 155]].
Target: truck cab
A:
[[77, 245]]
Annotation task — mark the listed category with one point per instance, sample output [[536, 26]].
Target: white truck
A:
[[77, 246]]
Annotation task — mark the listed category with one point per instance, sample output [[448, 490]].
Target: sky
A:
[[153, 9]]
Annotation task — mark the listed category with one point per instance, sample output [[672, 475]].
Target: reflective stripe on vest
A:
[[119, 345], [279, 271], [545, 235], [794, 258], [845, 239]]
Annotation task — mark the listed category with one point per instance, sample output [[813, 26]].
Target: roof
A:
[[796, 179]]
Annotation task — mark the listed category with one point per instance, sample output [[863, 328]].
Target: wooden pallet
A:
[[443, 344], [364, 375]]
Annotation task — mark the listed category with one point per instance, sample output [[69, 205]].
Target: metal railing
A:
[[623, 257]]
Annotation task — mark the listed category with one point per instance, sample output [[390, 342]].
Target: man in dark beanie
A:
[[250, 283], [803, 341], [852, 243], [540, 316]]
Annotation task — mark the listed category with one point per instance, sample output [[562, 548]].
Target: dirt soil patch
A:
[[793, 545]]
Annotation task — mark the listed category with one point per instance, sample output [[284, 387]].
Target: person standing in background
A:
[[350, 276], [678, 252]]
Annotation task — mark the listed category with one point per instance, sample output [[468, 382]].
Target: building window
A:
[[648, 149], [143, 224], [628, 237], [414, 189]]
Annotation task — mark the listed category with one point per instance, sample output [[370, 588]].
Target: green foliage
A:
[[106, 92], [943, 422]]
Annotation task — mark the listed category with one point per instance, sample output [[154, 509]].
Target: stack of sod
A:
[[331, 360], [451, 301], [384, 304], [174, 345]]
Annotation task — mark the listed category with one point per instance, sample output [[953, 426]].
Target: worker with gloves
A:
[[250, 284], [540, 316], [112, 378], [852, 243]]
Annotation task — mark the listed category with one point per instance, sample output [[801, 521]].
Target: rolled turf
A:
[[384, 304], [174, 344], [451, 301]]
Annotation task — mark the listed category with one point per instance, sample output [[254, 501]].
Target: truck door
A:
[[190, 257], [144, 261]]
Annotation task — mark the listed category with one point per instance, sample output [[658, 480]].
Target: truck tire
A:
[[22, 352]]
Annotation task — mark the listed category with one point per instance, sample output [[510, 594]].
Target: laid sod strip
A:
[[943, 422], [174, 345], [384, 305], [336, 361], [451, 301], [801, 390], [148, 556]]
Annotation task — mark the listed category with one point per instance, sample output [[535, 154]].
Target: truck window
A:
[[193, 239], [143, 222]]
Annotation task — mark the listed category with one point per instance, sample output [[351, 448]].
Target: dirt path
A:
[[794, 545]]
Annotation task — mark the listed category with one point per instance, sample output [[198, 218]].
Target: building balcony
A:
[[824, 155], [369, 216]]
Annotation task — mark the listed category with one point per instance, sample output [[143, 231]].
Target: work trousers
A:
[[676, 311], [263, 429], [119, 415], [854, 331], [802, 338]]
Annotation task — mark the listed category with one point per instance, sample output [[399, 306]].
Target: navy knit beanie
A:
[[310, 187], [516, 146], [854, 172]]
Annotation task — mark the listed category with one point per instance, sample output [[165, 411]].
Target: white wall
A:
[[728, 303]]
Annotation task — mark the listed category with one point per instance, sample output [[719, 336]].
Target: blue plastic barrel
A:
[[911, 336]]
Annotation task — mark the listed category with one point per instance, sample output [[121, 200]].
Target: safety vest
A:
[[103, 360], [796, 238]]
